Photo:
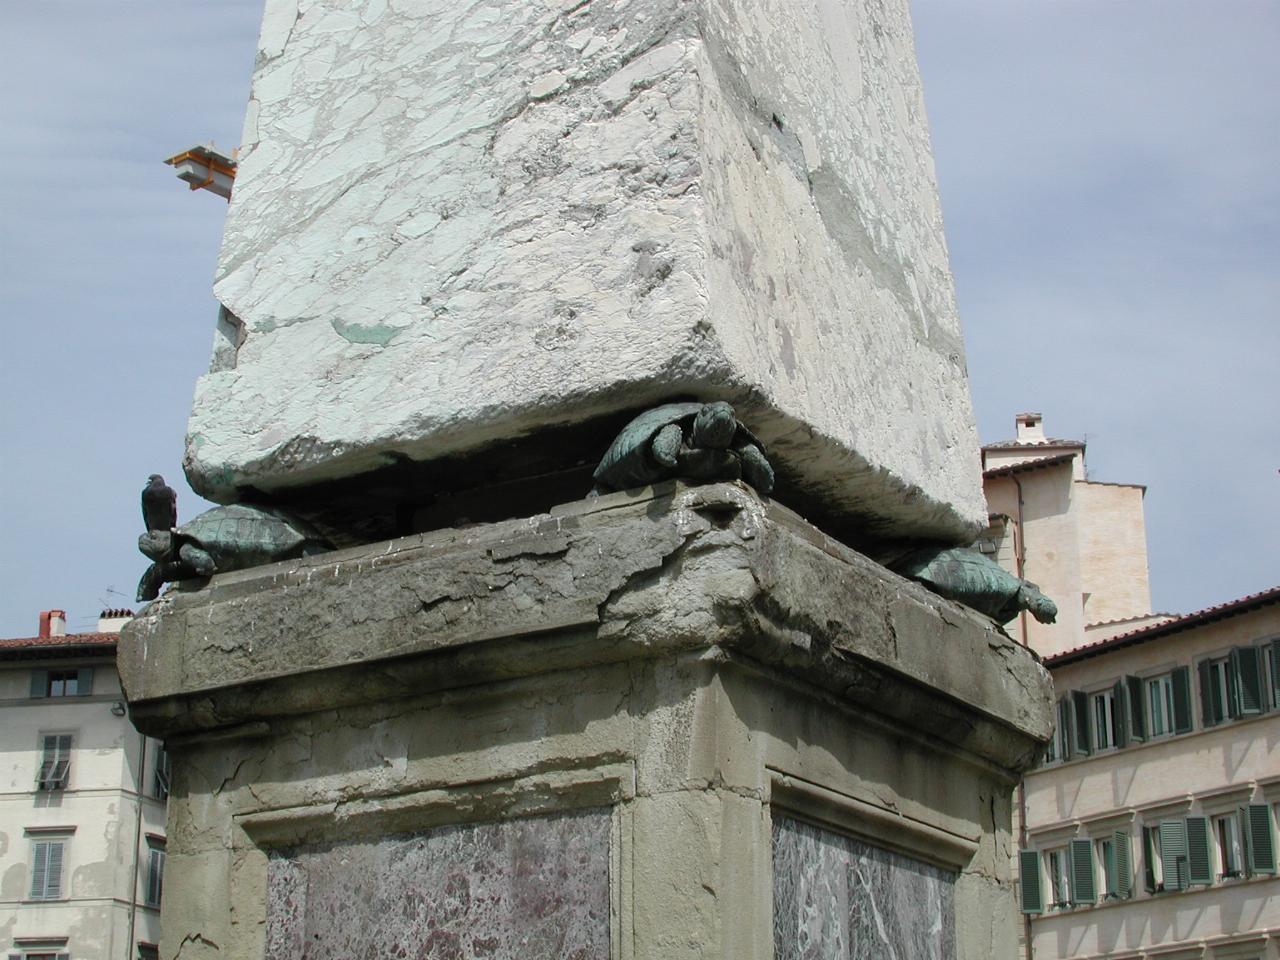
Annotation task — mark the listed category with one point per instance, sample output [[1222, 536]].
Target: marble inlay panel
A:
[[836, 898], [534, 888]]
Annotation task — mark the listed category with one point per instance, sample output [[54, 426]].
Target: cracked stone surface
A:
[[454, 223], [611, 578]]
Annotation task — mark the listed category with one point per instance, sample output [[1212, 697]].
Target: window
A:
[[1160, 705], [160, 778], [46, 868], [1165, 855], [55, 762], [1071, 873], [77, 682], [1056, 866], [1258, 840], [1226, 833], [155, 871], [1117, 871], [1104, 720], [1271, 669], [1232, 686]]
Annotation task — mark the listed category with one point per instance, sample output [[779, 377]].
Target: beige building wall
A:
[[1211, 771], [1113, 550], [104, 818]]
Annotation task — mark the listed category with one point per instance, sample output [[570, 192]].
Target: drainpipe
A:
[[137, 845], [1020, 555]]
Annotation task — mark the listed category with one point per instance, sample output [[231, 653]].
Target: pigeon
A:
[[159, 504]]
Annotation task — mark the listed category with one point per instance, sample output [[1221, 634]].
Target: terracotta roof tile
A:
[[1219, 611], [1026, 465], [29, 644], [1031, 444]]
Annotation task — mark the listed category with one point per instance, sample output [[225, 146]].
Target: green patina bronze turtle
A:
[[705, 442], [225, 538], [975, 580]]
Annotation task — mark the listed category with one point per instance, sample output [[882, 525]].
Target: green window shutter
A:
[[84, 681], [1083, 888], [1173, 853], [1120, 711], [1259, 844], [1029, 881], [39, 683], [1207, 713], [1180, 681], [1064, 727], [1275, 671], [1080, 710], [39, 869], [1247, 674], [1137, 713], [1199, 863], [1123, 864]]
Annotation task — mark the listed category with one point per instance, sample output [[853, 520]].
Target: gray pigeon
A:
[[159, 504]]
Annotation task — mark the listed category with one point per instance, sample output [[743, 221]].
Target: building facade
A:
[[82, 802], [1152, 825], [1150, 829]]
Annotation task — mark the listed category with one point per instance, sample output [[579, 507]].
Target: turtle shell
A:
[[626, 463], [965, 576], [239, 536]]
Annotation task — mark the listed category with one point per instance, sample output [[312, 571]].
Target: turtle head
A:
[[156, 544], [1041, 607], [714, 426]]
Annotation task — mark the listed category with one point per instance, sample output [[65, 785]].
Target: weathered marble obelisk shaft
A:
[[455, 223]]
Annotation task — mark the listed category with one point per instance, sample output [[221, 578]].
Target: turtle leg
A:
[[198, 560], [666, 445], [756, 469], [151, 582]]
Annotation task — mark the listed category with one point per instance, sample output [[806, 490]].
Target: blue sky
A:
[[1108, 177]]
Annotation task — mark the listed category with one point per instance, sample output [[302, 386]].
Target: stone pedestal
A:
[[674, 723]]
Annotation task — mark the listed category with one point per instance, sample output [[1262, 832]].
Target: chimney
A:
[[53, 623], [1030, 428], [110, 621]]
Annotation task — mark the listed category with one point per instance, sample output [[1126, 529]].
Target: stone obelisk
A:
[[467, 241]]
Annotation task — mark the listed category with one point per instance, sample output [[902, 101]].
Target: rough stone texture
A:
[[836, 898], [533, 887], [455, 223], [694, 660]]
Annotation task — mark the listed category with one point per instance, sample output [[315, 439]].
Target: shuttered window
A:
[[160, 779], [46, 869], [55, 762], [1029, 882], [1132, 710], [1083, 883], [1246, 666], [1081, 739], [1199, 859], [1180, 680], [1173, 854], [155, 873], [1117, 866], [1259, 841], [1160, 705]]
